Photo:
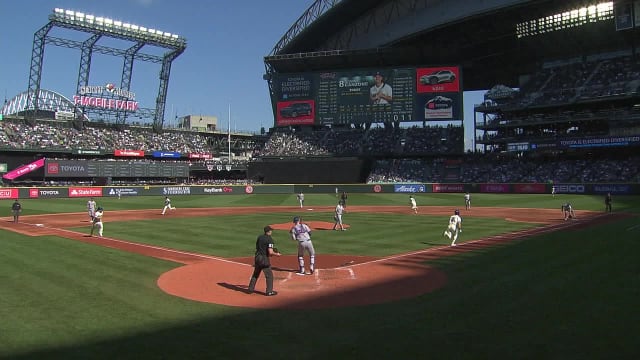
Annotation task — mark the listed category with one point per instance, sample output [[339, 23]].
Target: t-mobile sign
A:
[[24, 169]]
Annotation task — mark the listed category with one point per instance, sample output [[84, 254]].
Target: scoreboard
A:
[[368, 95], [117, 169]]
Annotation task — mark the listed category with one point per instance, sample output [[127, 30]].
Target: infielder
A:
[[567, 210], [167, 205], [91, 208], [454, 228], [301, 199], [338, 216], [467, 201], [414, 206], [97, 221], [301, 233]]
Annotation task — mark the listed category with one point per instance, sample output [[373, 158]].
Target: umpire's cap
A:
[[267, 229], [296, 219]]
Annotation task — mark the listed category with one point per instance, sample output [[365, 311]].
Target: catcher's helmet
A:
[[296, 219], [457, 212]]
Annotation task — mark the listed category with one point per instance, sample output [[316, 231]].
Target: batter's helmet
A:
[[457, 212], [100, 208], [296, 219]]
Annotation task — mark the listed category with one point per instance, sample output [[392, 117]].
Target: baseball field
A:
[[522, 283]]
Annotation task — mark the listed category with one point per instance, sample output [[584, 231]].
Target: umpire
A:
[[264, 250], [16, 209]]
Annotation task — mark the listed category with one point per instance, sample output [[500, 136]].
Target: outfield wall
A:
[[112, 191]]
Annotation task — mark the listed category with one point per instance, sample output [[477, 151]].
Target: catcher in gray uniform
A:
[[302, 234]]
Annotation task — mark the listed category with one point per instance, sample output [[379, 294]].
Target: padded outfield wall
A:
[[221, 190]]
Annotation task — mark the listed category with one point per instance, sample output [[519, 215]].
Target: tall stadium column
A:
[[35, 70], [127, 71], [158, 121], [86, 52]]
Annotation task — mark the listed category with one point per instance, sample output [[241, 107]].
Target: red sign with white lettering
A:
[[132, 153], [85, 191]]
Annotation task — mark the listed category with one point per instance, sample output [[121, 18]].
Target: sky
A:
[[220, 72]]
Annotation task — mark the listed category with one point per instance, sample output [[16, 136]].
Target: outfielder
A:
[[337, 216], [97, 221], [414, 206], [167, 205], [467, 201], [302, 234], [454, 228], [91, 208]]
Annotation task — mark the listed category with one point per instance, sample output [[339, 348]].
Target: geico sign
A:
[[570, 189]]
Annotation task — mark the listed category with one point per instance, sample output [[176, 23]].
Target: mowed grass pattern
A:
[[564, 295]]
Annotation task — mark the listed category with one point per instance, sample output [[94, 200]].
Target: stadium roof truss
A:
[[99, 27]]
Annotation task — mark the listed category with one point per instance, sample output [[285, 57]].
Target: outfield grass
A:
[[565, 295]]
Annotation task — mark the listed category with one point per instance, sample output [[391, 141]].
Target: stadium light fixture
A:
[[116, 27]]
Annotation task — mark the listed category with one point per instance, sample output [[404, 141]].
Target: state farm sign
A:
[[84, 191]]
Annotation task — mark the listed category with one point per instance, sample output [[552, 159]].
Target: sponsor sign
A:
[[105, 103], [8, 193], [87, 152], [176, 190], [3, 168], [530, 188], [601, 142], [248, 189], [409, 188], [494, 188], [123, 191], [66, 168], [85, 191], [199, 156], [612, 188], [24, 169], [570, 189], [376, 189], [44, 193], [132, 153], [448, 188], [165, 154], [218, 190]]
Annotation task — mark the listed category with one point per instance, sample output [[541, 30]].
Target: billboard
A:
[[123, 169], [24, 169], [368, 95]]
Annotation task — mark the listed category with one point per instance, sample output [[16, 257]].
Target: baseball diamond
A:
[[339, 280]]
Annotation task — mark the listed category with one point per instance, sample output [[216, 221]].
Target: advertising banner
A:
[[24, 169], [87, 152], [66, 168], [448, 188], [570, 188], [35, 193], [124, 191], [199, 156], [166, 154], [130, 153], [614, 189], [214, 190], [75, 192], [494, 188], [8, 193], [409, 188], [176, 190], [530, 188]]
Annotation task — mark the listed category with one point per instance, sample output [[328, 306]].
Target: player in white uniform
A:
[[414, 206], [301, 233], [338, 216], [97, 221], [467, 201], [454, 227], [91, 208], [380, 93], [167, 205], [301, 199]]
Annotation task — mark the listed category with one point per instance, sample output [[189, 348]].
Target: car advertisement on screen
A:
[[368, 95], [295, 113]]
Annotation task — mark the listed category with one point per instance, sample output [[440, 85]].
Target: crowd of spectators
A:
[[494, 169]]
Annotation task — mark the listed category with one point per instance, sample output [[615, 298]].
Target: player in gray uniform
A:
[[302, 234], [91, 209], [301, 199]]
